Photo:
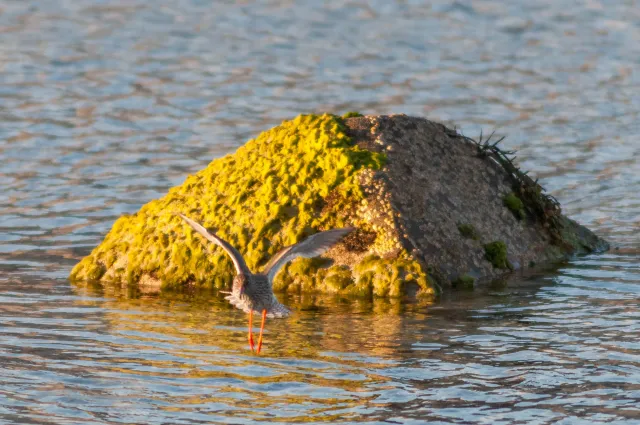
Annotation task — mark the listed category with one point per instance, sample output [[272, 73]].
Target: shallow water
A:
[[105, 106]]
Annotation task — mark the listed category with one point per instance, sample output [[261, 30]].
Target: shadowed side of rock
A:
[[449, 203]]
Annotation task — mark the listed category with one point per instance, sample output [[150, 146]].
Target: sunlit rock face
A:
[[432, 209]]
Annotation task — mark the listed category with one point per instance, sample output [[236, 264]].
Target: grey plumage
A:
[[254, 291], [236, 257]]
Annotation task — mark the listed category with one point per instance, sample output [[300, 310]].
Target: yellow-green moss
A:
[[468, 231], [352, 114], [515, 204], [373, 276], [271, 192], [496, 254], [337, 279]]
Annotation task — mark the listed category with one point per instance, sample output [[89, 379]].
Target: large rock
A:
[[432, 209]]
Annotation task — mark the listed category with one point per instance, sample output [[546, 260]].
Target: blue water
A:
[[105, 105]]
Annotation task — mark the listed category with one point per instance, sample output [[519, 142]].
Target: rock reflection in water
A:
[[319, 323], [550, 347]]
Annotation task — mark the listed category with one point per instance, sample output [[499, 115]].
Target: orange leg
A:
[[250, 329], [264, 318]]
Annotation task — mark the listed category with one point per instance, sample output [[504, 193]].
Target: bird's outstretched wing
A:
[[313, 246], [236, 257]]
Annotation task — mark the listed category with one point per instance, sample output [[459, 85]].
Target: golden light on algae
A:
[[300, 177]]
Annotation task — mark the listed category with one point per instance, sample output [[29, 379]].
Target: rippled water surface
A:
[[105, 105]]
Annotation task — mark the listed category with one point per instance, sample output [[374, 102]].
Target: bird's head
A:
[[239, 283]]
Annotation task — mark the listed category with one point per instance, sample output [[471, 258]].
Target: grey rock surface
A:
[[440, 181]]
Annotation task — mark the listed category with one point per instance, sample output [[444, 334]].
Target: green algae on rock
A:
[[464, 282], [468, 231], [515, 204], [405, 183], [496, 253]]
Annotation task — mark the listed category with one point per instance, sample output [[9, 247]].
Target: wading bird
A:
[[254, 291]]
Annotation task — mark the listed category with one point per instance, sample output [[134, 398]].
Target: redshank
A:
[[253, 292]]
